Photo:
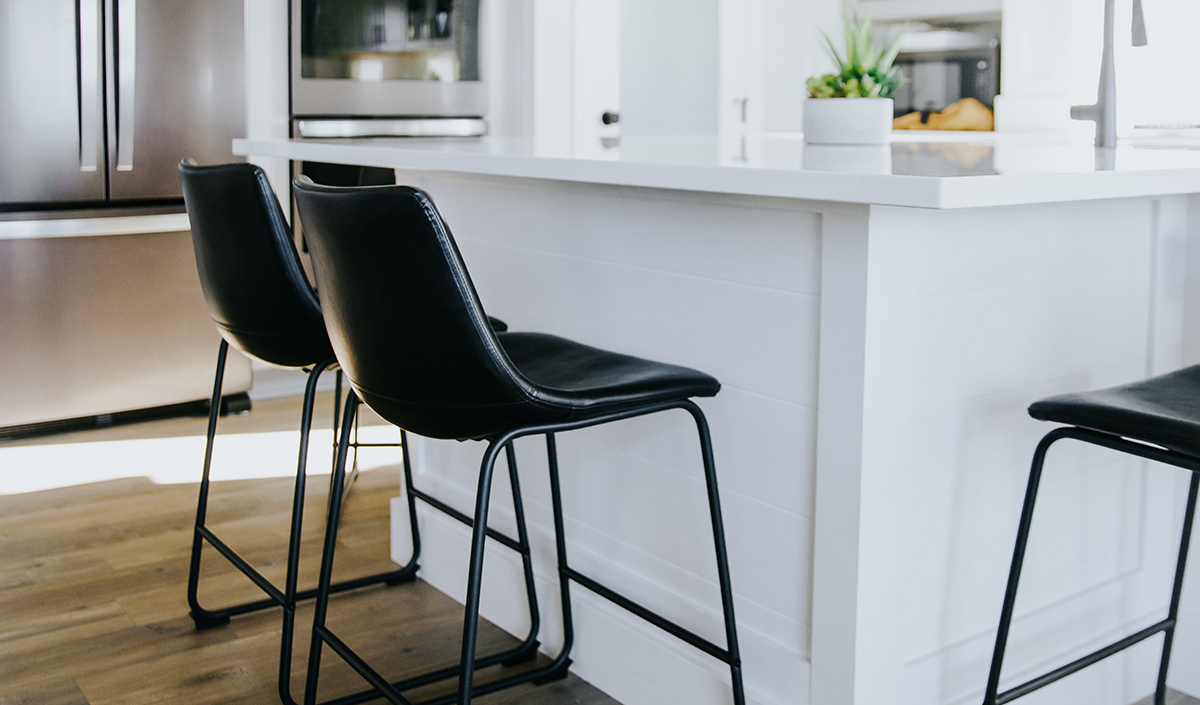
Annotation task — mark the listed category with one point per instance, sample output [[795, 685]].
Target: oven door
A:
[[386, 59]]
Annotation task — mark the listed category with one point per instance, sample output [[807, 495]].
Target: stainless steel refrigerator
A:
[[100, 306]]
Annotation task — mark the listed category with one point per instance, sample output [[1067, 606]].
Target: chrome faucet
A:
[[1104, 111]]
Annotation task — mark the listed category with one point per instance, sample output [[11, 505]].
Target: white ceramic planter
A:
[[847, 120]]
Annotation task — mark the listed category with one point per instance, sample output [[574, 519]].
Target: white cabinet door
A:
[[597, 69]]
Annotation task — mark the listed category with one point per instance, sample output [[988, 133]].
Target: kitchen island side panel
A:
[[969, 317], [725, 284]]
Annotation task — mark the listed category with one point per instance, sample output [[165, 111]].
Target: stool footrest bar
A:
[[249, 571], [212, 618], [276, 597], [440, 674], [378, 682], [1083, 662], [393, 577], [489, 687], [657, 620], [451, 511]]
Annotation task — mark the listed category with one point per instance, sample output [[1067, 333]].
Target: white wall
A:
[[1052, 61], [507, 57], [570, 75], [267, 118], [1150, 86], [669, 67], [1148, 90], [769, 49], [682, 67], [597, 75], [793, 50], [267, 82]]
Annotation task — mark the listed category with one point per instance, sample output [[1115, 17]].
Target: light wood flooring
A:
[[93, 583]]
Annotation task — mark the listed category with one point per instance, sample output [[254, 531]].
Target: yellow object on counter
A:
[[966, 114]]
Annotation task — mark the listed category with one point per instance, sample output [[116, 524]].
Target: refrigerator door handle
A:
[[89, 83], [126, 49]]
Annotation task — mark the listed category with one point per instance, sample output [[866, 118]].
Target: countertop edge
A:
[[931, 192], [877, 189]]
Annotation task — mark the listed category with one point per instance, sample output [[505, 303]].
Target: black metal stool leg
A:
[[202, 617], [475, 575], [337, 409], [354, 445], [352, 475], [326, 576], [411, 499], [525, 651], [529, 647], [730, 654], [1014, 571], [558, 670], [326, 587], [1160, 691], [718, 529], [293, 564], [289, 596], [337, 421]]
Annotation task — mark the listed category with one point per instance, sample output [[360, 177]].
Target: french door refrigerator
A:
[[100, 305]]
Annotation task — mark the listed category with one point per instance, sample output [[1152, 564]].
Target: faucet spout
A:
[[1138, 31], [1104, 111]]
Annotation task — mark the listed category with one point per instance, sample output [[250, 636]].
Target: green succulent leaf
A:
[[864, 70], [885, 63], [834, 54]]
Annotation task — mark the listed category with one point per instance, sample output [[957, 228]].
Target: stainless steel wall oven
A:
[[941, 66], [386, 67]]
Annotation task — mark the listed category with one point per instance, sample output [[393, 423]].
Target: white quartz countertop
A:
[[919, 169]]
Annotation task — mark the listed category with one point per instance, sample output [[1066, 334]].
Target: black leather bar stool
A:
[[262, 303], [390, 275], [1158, 419]]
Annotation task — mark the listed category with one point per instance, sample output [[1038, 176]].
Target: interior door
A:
[[597, 79], [176, 90], [51, 114]]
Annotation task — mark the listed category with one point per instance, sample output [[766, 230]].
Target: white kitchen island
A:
[[880, 319]]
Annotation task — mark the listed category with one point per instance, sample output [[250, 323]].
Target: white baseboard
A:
[[623, 656]]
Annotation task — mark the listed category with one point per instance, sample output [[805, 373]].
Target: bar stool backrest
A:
[[406, 324], [249, 269]]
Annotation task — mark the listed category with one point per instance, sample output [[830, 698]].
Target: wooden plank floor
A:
[[93, 589]]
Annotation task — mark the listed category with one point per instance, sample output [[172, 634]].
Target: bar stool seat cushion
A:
[[588, 381], [1163, 410], [562, 381]]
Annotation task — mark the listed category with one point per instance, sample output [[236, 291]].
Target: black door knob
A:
[[610, 118]]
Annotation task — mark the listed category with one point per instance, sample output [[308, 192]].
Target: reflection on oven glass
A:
[[383, 40]]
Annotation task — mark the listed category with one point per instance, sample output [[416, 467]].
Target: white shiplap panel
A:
[[687, 279]]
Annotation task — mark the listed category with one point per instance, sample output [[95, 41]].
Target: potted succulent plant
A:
[[854, 105]]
